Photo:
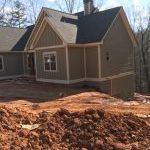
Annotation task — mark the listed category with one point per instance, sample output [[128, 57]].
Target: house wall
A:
[[92, 62], [61, 73], [36, 29], [48, 38], [123, 87], [76, 63], [118, 47], [13, 64]]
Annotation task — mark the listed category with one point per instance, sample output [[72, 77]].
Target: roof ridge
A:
[[58, 11]]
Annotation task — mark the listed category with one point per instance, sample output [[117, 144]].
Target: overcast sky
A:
[[113, 3], [128, 5]]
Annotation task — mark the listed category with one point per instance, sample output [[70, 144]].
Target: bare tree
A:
[[3, 4], [73, 6], [70, 6], [141, 27]]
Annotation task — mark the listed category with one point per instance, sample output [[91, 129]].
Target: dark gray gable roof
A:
[[77, 28], [14, 39], [92, 28], [73, 28]]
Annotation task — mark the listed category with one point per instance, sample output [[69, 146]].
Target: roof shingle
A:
[[14, 39], [73, 28]]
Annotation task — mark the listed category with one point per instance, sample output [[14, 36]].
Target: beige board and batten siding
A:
[[76, 63], [61, 73], [92, 67], [118, 48], [48, 38], [13, 64], [123, 87], [36, 30]]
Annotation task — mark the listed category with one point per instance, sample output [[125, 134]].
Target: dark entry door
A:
[[31, 63]]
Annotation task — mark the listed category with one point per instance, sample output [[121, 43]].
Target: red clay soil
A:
[[86, 130], [70, 119]]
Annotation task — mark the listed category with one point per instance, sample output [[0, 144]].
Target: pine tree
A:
[[2, 19], [17, 17]]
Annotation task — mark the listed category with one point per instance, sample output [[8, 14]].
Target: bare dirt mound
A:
[[88, 130]]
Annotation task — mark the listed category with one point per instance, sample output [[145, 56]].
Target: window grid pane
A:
[[50, 62]]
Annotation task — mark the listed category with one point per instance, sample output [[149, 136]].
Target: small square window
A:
[[50, 62]]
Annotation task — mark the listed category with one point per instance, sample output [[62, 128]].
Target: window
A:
[[1, 63], [50, 62]]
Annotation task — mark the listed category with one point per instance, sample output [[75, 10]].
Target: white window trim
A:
[[1, 57], [48, 53]]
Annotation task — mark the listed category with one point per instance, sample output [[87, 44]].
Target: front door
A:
[[31, 64]]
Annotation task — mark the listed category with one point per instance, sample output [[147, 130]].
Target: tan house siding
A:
[[36, 29], [92, 62], [105, 87], [48, 38], [76, 63], [61, 73], [13, 64], [118, 47], [123, 87]]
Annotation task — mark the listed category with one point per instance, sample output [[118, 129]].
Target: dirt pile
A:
[[88, 130]]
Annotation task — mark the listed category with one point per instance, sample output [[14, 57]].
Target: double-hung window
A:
[[50, 61], [1, 63]]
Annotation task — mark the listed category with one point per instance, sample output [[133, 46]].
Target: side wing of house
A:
[[11, 65], [117, 59]]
